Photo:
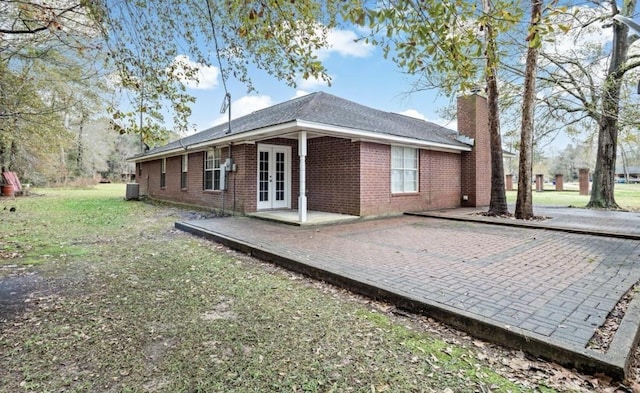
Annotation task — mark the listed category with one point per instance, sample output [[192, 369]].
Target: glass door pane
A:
[[263, 173], [280, 176]]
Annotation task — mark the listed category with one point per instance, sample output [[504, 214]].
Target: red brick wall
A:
[[243, 180], [439, 182], [194, 193], [333, 180], [241, 193], [473, 121], [375, 179], [342, 177]]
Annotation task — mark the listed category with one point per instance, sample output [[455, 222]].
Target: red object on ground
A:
[[10, 178]]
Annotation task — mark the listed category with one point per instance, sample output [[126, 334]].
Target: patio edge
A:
[[613, 363], [523, 224]]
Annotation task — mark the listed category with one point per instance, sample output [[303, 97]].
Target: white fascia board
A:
[[163, 154], [370, 136], [245, 137], [297, 125]]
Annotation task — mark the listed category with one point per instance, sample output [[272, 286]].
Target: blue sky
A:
[[359, 73]]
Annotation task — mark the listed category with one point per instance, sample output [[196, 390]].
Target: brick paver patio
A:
[[547, 286]]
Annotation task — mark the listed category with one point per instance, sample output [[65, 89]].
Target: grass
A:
[[626, 195], [122, 302]]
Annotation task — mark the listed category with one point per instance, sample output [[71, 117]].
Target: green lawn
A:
[[627, 196], [114, 299]]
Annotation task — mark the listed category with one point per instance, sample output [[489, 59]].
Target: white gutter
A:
[[298, 125], [377, 137]]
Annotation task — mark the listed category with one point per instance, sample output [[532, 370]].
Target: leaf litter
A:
[[69, 337]]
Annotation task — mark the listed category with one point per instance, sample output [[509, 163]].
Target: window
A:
[[163, 173], [404, 169], [212, 170], [183, 177]]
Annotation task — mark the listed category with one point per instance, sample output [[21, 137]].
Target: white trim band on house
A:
[[378, 137], [300, 125]]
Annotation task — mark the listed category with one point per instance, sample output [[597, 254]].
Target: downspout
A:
[[233, 212], [226, 106]]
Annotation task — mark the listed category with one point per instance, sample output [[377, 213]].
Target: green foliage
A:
[[279, 37], [441, 41], [31, 131], [50, 79]]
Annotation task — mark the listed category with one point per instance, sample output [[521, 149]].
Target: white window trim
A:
[[404, 169], [217, 155], [185, 169], [163, 173]]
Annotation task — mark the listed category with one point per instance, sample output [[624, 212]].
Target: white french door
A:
[[274, 177]]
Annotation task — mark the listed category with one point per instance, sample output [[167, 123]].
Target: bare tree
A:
[[602, 192]]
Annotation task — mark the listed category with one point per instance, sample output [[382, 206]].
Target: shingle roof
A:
[[325, 109]]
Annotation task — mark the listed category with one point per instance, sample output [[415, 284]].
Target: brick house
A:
[[323, 153]]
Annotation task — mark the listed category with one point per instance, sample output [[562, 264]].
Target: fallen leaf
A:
[[519, 364], [478, 343]]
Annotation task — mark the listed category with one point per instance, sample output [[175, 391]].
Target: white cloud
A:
[[450, 124], [582, 49], [583, 33], [312, 83], [413, 113], [204, 78], [244, 106], [300, 93], [343, 42]]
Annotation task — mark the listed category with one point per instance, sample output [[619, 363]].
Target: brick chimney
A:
[[473, 122]]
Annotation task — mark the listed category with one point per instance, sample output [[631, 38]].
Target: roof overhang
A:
[[508, 154], [318, 129]]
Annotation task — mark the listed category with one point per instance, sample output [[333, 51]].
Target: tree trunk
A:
[[602, 188], [602, 191], [13, 156], [498, 202], [79, 158], [524, 203], [625, 170]]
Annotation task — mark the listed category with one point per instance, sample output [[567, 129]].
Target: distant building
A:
[[631, 175]]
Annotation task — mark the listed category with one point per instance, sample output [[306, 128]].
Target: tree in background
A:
[[451, 46], [524, 205], [602, 195], [585, 84], [154, 56], [32, 135], [52, 75], [569, 160], [150, 45]]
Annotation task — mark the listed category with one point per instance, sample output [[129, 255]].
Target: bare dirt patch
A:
[[222, 310], [19, 289]]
